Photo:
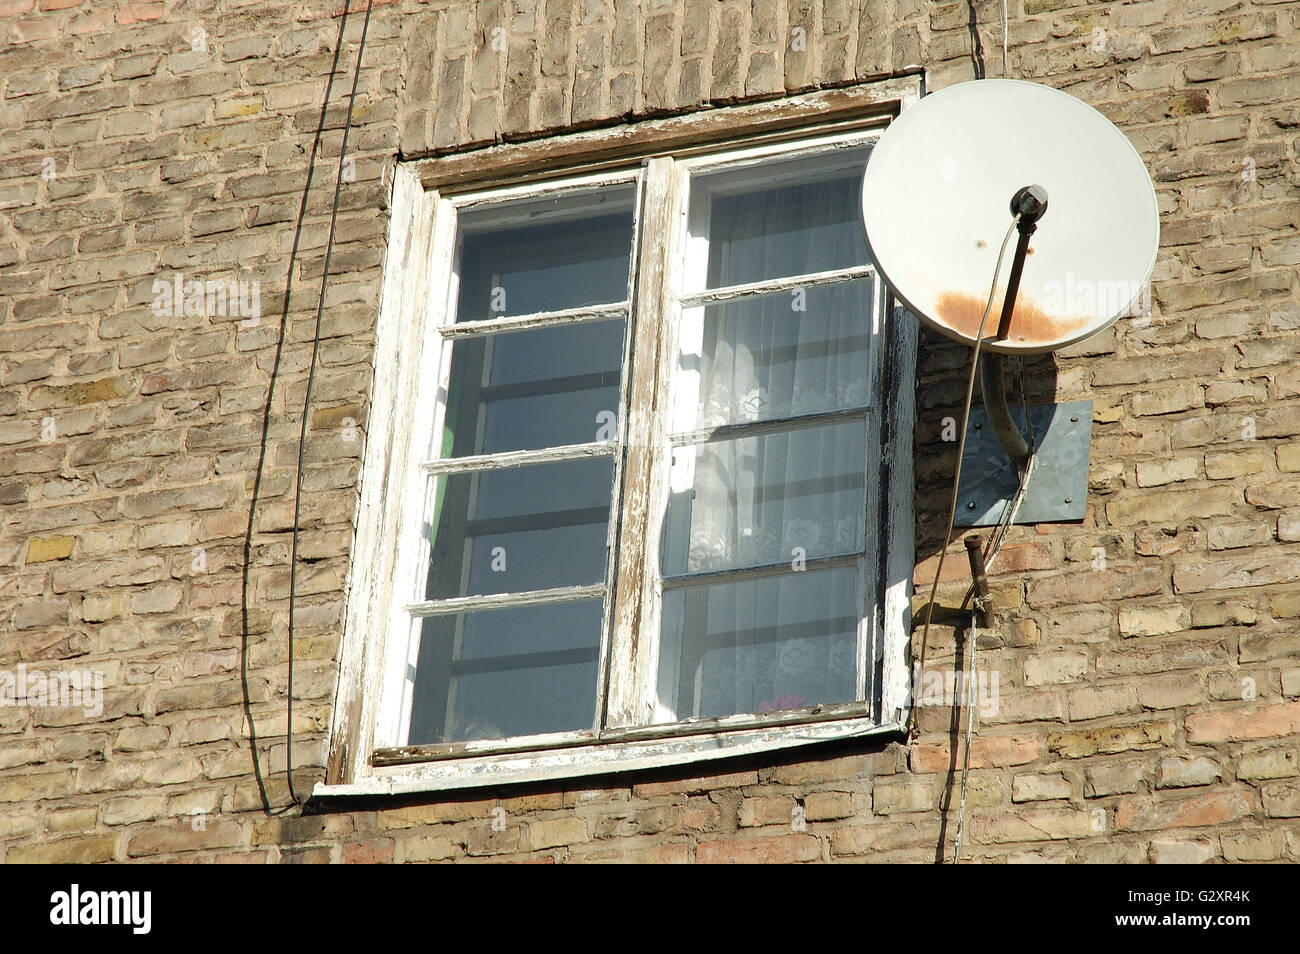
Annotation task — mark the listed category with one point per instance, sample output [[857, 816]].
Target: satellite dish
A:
[[936, 203]]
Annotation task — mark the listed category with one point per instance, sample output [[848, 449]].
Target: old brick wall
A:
[[1148, 659]]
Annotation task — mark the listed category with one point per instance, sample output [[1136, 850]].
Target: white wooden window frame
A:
[[414, 336]]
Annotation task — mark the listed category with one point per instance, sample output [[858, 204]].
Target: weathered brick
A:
[[1094, 587], [1234, 572], [828, 806], [1281, 800], [1032, 825], [1192, 852], [1145, 814], [132, 808], [1223, 612], [862, 839], [1078, 743], [427, 847], [90, 849], [913, 795], [1153, 620], [1258, 846], [1269, 763], [1055, 668], [771, 849], [1185, 772], [986, 751], [1243, 724], [1170, 506], [556, 831], [173, 837], [1112, 779], [1035, 788], [1101, 701], [43, 549]]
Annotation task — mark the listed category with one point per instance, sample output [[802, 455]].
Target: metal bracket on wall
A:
[[1058, 487]]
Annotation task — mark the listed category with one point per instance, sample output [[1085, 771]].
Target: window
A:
[[637, 485]]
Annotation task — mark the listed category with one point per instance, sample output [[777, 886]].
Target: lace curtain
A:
[[785, 496]]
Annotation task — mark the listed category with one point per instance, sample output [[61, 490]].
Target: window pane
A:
[[497, 673], [770, 231], [768, 499], [775, 356], [525, 528], [532, 389], [545, 255], [758, 645]]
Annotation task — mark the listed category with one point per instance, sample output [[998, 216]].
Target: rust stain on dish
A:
[[1030, 325]]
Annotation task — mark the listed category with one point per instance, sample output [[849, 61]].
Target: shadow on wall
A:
[[942, 375]]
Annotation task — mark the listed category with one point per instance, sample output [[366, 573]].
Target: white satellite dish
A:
[[936, 204]]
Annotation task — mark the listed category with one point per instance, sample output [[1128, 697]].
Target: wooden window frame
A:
[[414, 335]]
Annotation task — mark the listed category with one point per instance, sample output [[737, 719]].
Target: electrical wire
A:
[[260, 470], [977, 46], [961, 449], [1004, 39], [990, 554], [1024, 401], [970, 722], [311, 376]]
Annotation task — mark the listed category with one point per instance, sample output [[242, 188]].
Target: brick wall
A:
[[1148, 658]]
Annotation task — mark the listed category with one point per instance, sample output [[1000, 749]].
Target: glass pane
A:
[[767, 499], [775, 356], [491, 674], [525, 528], [532, 389], [759, 645], [545, 254], [778, 231]]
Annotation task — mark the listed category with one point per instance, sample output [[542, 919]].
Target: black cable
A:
[[1024, 402], [977, 46], [311, 376], [266, 428]]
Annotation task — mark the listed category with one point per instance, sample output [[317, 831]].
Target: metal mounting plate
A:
[[1058, 486]]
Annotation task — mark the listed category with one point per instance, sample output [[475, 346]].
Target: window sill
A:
[[579, 761]]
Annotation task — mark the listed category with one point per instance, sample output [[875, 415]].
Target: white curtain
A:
[[782, 497]]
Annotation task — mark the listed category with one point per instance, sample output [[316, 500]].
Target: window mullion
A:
[[870, 584], [635, 617]]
